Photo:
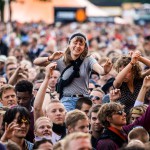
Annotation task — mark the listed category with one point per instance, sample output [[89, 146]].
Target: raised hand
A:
[[49, 69], [135, 56], [146, 82], [114, 95], [9, 129], [107, 66], [55, 56]]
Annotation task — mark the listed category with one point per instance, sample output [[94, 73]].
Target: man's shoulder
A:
[[106, 144]]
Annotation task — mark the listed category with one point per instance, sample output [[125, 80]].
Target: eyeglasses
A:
[[23, 120], [120, 112], [95, 97], [90, 89]]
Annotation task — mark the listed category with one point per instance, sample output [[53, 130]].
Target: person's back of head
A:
[[43, 144], [138, 133], [135, 145], [12, 146]]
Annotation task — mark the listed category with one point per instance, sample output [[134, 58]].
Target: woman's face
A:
[[76, 46], [43, 128]]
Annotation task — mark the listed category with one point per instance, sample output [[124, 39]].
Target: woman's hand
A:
[[135, 56], [55, 56]]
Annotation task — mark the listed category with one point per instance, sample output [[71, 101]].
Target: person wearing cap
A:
[[79, 65]]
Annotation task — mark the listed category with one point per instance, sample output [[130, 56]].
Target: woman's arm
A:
[[44, 61], [103, 70], [144, 60], [41, 92], [121, 75]]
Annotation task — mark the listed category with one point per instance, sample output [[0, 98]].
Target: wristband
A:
[[133, 64], [48, 59]]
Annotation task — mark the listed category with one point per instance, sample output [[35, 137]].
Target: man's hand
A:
[[9, 129], [49, 69]]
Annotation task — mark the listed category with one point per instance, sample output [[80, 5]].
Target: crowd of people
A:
[[74, 86]]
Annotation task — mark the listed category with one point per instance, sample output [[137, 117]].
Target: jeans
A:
[[69, 102]]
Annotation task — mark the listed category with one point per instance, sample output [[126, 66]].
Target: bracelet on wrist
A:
[[48, 59], [133, 64]]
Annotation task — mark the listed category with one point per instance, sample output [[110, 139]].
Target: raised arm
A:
[[103, 70], [144, 60], [144, 88], [44, 61], [121, 75], [42, 90], [20, 72]]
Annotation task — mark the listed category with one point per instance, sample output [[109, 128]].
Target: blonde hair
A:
[[39, 119], [74, 136]]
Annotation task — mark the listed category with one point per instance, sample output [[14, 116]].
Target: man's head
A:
[[10, 68], [53, 79], [44, 144], [136, 112], [3, 81], [77, 121], [8, 95], [94, 121], [24, 93], [96, 96], [56, 112], [77, 141], [20, 117], [112, 114], [43, 127], [138, 133], [84, 104]]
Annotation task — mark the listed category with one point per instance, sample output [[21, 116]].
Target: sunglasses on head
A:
[[94, 97]]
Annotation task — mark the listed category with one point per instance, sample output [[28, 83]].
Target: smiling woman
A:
[[75, 66]]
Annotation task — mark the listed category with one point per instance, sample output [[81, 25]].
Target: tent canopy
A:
[[31, 10]]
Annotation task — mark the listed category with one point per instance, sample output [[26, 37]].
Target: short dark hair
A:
[[24, 86], [10, 114], [82, 100], [42, 141], [94, 109]]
